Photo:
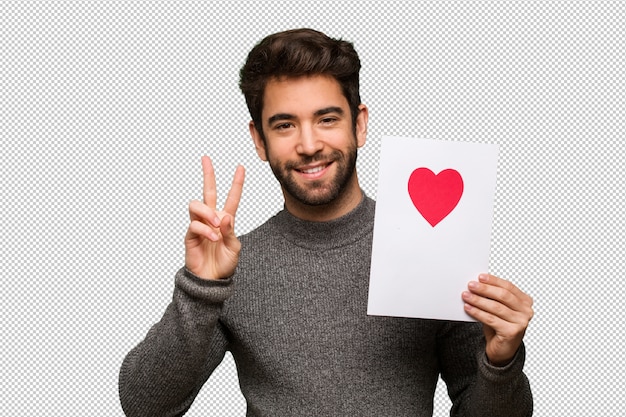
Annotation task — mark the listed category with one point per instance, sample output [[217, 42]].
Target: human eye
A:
[[328, 120], [283, 126]]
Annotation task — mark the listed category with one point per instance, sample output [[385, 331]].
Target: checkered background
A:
[[107, 107]]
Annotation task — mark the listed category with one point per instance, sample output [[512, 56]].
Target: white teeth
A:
[[313, 170]]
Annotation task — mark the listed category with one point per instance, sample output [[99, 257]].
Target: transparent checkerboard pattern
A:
[[108, 107]]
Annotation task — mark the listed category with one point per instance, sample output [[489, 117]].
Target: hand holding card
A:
[[505, 311]]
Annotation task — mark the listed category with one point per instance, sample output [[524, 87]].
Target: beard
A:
[[317, 193]]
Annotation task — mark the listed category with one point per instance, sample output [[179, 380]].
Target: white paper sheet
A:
[[423, 258]]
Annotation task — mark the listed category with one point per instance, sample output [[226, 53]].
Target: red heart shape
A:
[[435, 196]]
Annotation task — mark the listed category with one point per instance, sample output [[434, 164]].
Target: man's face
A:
[[310, 142]]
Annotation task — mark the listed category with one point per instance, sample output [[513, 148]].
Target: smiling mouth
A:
[[313, 170]]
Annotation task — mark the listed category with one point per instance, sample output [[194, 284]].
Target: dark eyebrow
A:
[[331, 109], [280, 116]]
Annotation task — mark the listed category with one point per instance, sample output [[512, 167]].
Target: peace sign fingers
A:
[[211, 246]]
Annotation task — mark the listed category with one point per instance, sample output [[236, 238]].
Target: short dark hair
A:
[[296, 53]]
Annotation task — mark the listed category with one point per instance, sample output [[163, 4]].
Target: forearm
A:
[[476, 387], [499, 391], [162, 375]]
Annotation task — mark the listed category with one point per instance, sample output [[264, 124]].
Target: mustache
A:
[[333, 156]]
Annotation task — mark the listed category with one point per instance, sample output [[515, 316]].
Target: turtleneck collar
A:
[[331, 234]]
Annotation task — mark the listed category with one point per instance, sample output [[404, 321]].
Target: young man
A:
[[289, 299]]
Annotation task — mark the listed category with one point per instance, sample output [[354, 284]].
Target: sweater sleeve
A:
[[163, 374], [476, 387]]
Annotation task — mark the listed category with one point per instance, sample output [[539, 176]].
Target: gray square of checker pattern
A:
[[108, 107]]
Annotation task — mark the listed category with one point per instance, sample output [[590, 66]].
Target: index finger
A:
[[507, 285], [209, 191], [234, 194]]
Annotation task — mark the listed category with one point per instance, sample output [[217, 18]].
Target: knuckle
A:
[[490, 320], [507, 297], [499, 309], [508, 285], [194, 206]]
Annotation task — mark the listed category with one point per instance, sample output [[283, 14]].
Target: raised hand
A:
[[505, 312], [211, 247]]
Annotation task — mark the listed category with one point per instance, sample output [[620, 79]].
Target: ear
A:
[[361, 125], [259, 144]]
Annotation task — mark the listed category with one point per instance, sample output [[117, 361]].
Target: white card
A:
[[432, 229]]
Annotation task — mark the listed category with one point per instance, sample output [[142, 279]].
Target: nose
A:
[[308, 142]]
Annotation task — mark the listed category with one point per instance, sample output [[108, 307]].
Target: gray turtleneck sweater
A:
[[294, 318]]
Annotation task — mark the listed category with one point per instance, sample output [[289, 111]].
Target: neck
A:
[[345, 202]]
